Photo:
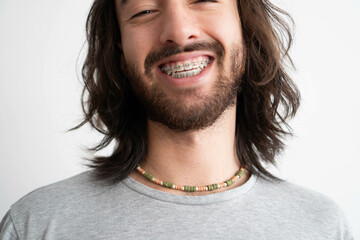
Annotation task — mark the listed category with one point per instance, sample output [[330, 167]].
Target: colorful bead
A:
[[149, 176], [167, 184], [211, 187], [240, 173], [157, 181]]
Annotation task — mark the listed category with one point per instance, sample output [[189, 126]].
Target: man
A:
[[196, 98]]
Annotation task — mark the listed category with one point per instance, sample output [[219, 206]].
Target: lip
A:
[[186, 82], [186, 56]]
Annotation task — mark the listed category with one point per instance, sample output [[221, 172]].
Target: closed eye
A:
[[142, 13], [201, 1]]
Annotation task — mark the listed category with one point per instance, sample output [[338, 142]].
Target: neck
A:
[[193, 158]]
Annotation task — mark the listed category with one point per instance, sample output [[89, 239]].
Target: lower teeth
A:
[[185, 73]]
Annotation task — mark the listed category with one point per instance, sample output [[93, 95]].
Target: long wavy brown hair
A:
[[266, 100]]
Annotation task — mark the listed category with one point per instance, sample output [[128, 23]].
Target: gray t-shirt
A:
[[81, 208]]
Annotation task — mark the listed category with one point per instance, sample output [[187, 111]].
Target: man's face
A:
[[183, 58]]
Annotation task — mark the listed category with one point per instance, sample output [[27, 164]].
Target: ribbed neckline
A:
[[190, 200]]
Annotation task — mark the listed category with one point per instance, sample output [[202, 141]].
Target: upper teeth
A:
[[185, 69]]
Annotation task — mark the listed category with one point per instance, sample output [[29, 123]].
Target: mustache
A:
[[157, 55]]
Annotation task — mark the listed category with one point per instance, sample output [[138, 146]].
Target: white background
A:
[[40, 41]]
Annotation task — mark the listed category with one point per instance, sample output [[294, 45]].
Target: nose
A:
[[179, 25]]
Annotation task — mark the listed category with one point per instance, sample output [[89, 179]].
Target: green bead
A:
[[167, 184], [216, 186], [188, 188], [240, 173], [149, 176], [193, 189], [229, 182]]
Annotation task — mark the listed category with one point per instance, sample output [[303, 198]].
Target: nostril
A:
[[172, 33]]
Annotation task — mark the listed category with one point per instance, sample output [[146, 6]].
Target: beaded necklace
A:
[[191, 188]]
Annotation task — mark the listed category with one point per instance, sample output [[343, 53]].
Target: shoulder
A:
[[60, 202], [285, 192], [59, 193], [301, 206], [76, 190], [7, 229]]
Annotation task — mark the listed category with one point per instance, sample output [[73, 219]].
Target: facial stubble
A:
[[204, 109]]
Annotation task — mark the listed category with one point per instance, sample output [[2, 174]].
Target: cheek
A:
[[227, 30], [135, 48], [133, 52], [228, 33], [223, 25]]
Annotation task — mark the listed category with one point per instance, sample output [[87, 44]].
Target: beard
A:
[[206, 108]]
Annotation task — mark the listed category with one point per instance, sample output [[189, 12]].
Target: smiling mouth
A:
[[186, 68]]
